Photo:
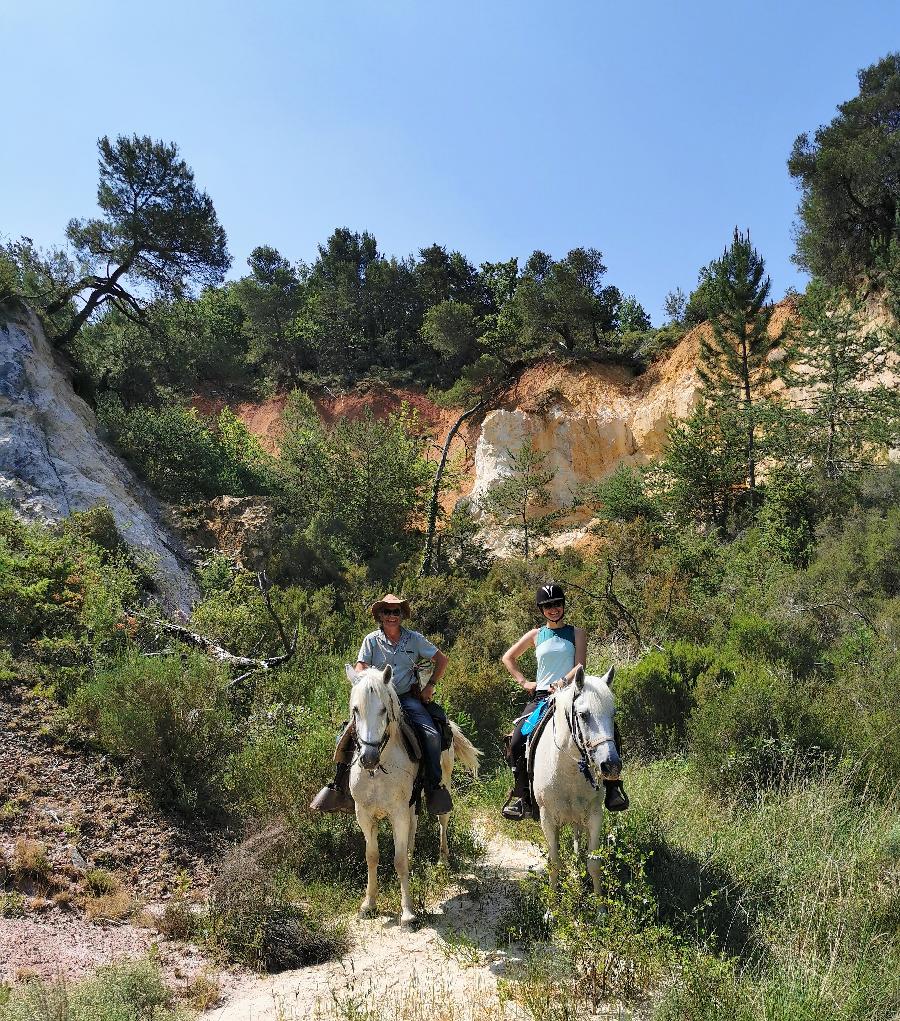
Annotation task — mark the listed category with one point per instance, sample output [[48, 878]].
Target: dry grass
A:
[[30, 861], [107, 900], [202, 992]]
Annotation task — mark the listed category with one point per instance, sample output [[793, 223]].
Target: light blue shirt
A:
[[555, 652], [411, 646]]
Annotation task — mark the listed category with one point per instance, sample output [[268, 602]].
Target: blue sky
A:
[[647, 130]]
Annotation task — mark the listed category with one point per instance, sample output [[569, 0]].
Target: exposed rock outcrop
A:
[[52, 462], [241, 527]]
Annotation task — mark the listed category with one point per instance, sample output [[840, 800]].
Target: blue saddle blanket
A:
[[535, 718]]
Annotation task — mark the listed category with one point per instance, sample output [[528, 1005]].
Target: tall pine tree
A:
[[733, 358], [834, 362]]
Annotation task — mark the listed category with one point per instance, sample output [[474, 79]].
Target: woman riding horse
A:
[[560, 648], [402, 650]]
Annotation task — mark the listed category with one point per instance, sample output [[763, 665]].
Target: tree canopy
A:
[[158, 233], [849, 178]]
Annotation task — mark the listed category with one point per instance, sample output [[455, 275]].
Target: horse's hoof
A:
[[407, 918], [366, 911]]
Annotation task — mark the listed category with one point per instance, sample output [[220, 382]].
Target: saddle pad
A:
[[413, 748], [531, 748], [535, 718]]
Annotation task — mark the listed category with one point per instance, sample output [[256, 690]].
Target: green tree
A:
[[518, 503], [449, 329], [158, 232], [272, 297], [703, 465], [849, 178], [834, 362], [733, 356], [631, 317], [562, 303]]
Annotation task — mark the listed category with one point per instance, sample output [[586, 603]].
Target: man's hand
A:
[[529, 687], [428, 692]]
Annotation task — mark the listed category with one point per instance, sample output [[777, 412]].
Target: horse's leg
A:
[[594, 827], [413, 829], [551, 835], [400, 823], [369, 825], [444, 820]]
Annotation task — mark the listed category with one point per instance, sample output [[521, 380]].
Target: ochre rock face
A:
[[587, 418]]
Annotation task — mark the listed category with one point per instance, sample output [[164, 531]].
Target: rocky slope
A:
[[52, 462]]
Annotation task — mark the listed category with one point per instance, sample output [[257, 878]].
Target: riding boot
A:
[[336, 797], [438, 800], [518, 802], [615, 799]]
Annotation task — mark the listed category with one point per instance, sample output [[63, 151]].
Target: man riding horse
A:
[[403, 650]]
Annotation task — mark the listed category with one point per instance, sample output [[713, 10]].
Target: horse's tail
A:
[[464, 750]]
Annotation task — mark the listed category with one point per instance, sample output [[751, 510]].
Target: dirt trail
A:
[[449, 966]]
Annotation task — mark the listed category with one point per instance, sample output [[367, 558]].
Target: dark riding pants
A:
[[428, 734]]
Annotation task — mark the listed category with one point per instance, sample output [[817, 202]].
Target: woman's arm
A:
[[508, 659], [581, 647]]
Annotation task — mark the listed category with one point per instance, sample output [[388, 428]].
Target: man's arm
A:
[[440, 665]]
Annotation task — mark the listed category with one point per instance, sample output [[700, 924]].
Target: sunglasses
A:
[[554, 604], [391, 613]]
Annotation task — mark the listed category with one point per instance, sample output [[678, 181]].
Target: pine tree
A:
[[832, 369], [518, 502], [733, 358]]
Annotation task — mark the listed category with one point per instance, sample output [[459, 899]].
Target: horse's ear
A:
[[578, 679], [607, 678], [352, 675], [388, 674]]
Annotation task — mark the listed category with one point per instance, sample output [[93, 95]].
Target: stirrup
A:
[[615, 799], [516, 807]]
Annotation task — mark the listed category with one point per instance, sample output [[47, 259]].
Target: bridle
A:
[[380, 745], [585, 747]]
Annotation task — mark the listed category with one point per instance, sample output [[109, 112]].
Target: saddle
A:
[[531, 744]]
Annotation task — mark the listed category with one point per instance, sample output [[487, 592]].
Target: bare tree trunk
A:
[[428, 559]]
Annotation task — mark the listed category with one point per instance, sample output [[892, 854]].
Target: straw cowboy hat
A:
[[390, 600]]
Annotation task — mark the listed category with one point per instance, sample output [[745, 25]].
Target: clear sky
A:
[[646, 129]]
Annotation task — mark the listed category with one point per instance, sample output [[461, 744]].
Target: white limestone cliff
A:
[[52, 462]]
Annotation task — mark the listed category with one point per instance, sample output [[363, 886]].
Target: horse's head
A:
[[592, 713], [374, 706]]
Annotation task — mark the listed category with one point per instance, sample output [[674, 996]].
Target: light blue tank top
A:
[[555, 651]]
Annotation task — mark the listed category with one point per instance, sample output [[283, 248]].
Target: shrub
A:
[[128, 992], [655, 697], [251, 919], [747, 731], [169, 716], [181, 457]]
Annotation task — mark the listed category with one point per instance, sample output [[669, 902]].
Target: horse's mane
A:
[[565, 695], [369, 683]]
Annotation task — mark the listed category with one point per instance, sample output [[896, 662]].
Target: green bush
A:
[[63, 593], [170, 717], [180, 456], [125, 992], [754, 727], [655, 696]]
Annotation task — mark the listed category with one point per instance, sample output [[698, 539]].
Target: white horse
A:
[[575, 753], [382, 776]]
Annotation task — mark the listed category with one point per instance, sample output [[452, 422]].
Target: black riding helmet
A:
[[549, 593]]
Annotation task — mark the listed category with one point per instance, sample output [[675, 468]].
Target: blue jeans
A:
[[428, 735]]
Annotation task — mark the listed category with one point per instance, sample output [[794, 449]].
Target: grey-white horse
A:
[[382, 777], [576, 752]]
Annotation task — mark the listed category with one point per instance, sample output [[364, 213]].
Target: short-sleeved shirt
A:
[[555, 651], [411, 646]]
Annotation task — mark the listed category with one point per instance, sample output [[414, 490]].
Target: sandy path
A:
[[448, 968]]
